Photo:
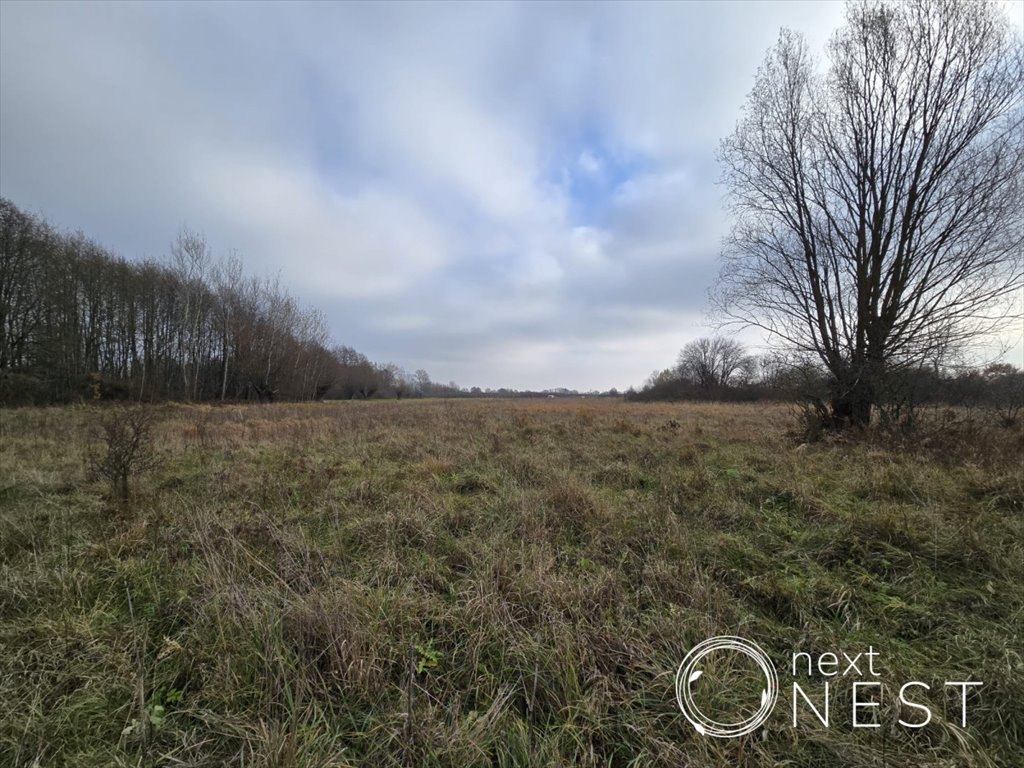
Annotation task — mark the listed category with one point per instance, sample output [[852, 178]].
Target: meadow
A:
[[498, 583]]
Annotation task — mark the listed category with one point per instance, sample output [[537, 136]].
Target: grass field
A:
[[487, 583]]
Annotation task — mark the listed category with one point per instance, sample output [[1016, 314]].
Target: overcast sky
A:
[[517, 195]]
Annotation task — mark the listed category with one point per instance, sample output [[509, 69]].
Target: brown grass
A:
[[541, 566]]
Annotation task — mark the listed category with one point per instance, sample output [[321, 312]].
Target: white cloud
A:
[[589, 164], [409, 168], [370, 244]]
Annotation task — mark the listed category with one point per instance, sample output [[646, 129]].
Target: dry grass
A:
[[528, 574]]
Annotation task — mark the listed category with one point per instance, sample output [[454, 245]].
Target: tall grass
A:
[[491, 583]]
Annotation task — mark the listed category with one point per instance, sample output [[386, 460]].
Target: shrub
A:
[[126, 436]]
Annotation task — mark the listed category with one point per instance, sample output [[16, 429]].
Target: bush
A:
[[127, 449], [18, 389]]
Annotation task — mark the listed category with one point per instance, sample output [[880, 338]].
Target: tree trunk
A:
[[851, 403]]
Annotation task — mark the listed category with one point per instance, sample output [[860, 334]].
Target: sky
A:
[[513, 195]]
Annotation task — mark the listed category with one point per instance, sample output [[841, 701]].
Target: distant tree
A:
[[227, 283], [878, 206], [712, 362], [422, 382], [368, 382], [351, 367], [748, 372], [660, 378], [190, 259], [400, 381]]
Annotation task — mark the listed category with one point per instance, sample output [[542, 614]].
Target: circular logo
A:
[[689, 673]]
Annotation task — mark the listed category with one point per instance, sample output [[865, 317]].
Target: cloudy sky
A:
[[515, 195]]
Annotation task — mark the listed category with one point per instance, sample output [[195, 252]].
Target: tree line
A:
[[722, 369], [78, 322]]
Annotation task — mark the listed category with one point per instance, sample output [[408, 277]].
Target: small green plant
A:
[[427, 656], [156, 713]]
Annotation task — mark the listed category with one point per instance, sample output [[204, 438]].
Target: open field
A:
[[295, 583]]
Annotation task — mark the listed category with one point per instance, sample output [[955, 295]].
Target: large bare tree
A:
[[878, 204]]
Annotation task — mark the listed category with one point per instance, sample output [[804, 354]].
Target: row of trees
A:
[[722, 369], [78, 322]]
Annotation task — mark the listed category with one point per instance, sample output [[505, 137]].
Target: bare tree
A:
[[22, 247], [396, 379], [712, 363], [191, 262], [877, 207], [227, 284], [403, 383], [128, 447], [422, 382]]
